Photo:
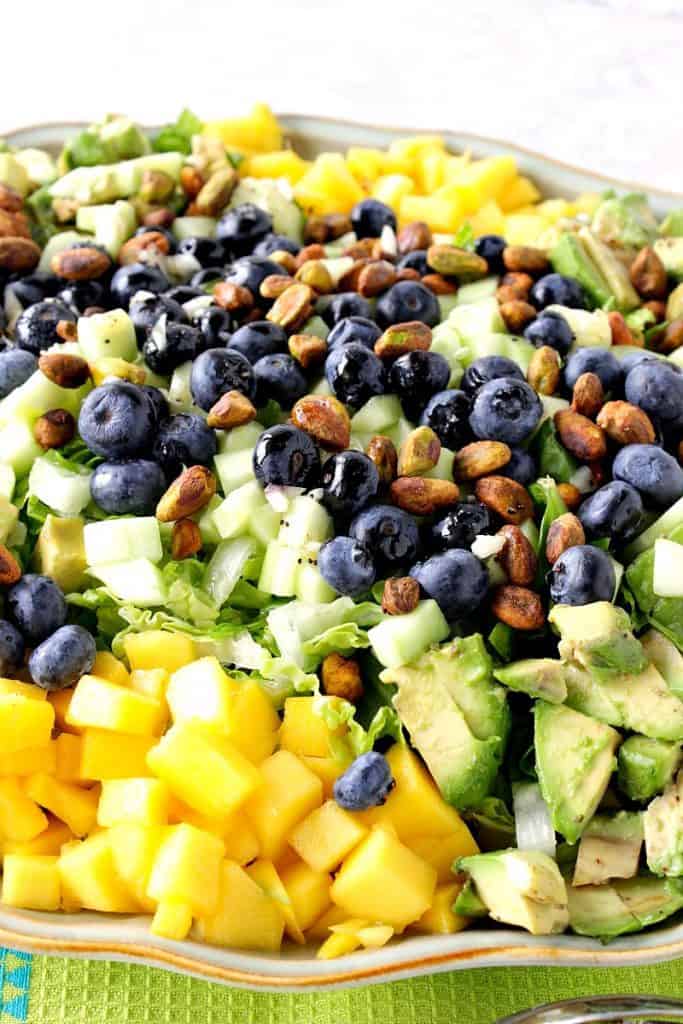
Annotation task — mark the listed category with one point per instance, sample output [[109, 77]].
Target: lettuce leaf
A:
[[187, 599], [545, 493], [341, 639], [177, 138], [663, 613], [358, 740], [553, 458]]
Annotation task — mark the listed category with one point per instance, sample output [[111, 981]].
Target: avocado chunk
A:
[[520, 887], [115, 138], [457, 717], [605, 911], [539, 677], [626, 222], [642, 703], [612, 269], [609, 848], [646, 766], [468, 903], [670, 252], [569, 257], [598, 637], [666, 658], [663, 826], [574, 761], [60, 552]]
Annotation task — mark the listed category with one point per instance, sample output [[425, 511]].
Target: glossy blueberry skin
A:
[[614, 510], [215, 326], [79, 295], [415, 260], [354, 374], [366, 783], [550, 329], [286, 455], [506, 409], [37, 607], [633, 359], [241, 228], [658, 389], [581, 575], [184, 440], [599, 361], [487, 368], [158, 400], [117, 419], [389, 532], [250, 272], [62, 658], [279, 376], [408, 300], [353, 328], [460, 525], [275, 243], [207, 277], [145, 312], [652, 471], [259, 338], [16, 366], [347, 566], [455, 579], [416, 377], [369, 216], [350, 481], [166, 350], [521, 467], [36, 328], [448, 414], [183, 293], [134, 278], [345, 305], [130, 487], [490, 248], [218, 370], [557, 290], [12, 648], [207, 251], [33, 288]]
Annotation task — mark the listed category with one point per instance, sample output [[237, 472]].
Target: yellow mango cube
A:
[[391, 188], [304, 731], [441, 851], [264, 873], [106, 666], [524, 228], [15, 688], [179, 811], [49, 841], [308, 892], [441, 213], [201, 692], [413, 145], [252, 721], [69, 750], [240, 839], [365, 164], [60, 701], [430, 169], [24, 722], [31, 881], [134, 849], [488, 220], [383, 880], [30, 760], [440, 918], [283, 163], [482, 180], [326, 836], [259, 132], [187, 869], [159, 649], [114, 755], [338, 944], [144, 801], [75, 806], [245, 917], [90, 879], [328, 186], [152, 682], [21, 818], [99, 704], [205, 771], [290, 792], [328, 770], [320, 929], [172, 920], [517, 193], [373, 936]]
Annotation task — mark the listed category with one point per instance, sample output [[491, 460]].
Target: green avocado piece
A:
[[569, 257], [666, 658], [663, 826], [642, 703], [539, 677], [574, 762], [468, 903], [598, 637], [646, 766], [612, 269], [605, 911], [670, 252], [609, 848], [60, 552], [626, 222], [672, 224]]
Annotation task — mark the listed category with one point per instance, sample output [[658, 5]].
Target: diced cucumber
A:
[[122, 540], [477, 291], [676, 357], [622, 351], [317, 326], [179, 394], [399, 432], [191, 227], [589, 329], [18, 446], [110, 334], [36, 396], [234, 514], [551, 404], [377, 415], [64, 490], [234, 469], [226, 566], [447, 304], [57, 243], [447, 342], [311, 587], [112, 223], [265, 523], [239, 438], [8, 479], [476, 318], [292, 624], [443, 470], [517, 349], [138, 581], [107, 182], [667, 578], [272, 197], [662, 527], [321, 387], [9, 516], [670, 252], [13, 174], [205, 522], [280, 570], [305, 520], [38, 164], [400, 639]]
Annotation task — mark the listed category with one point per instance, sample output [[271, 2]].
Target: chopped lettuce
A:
[[553, 458], [177, 138], [385, 722], [663, 613], [545, 493], [187, 599]]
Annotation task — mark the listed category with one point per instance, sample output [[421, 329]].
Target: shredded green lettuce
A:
[[545, 493], [663, 613], [186, 598], [357, 740], [553, 458]]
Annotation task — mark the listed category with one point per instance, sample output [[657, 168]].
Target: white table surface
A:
[[595, 82]]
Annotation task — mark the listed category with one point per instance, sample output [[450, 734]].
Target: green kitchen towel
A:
[[98, 992]]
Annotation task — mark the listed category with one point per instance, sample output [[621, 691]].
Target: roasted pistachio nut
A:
[[64, 369], [480, 458], [189, 493], [419, 452], [186, 539], [564, 532], [325, 419], [293, 307], [452, 261], [401, 595], [307, 349], [341, 677], [233, 409], [215, 194], [382, 451], [401, 338], [156, 187], [423, 496], [543, 372]]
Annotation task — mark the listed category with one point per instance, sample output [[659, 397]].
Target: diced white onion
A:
[[279, 497], [487, 545], [533, 827]]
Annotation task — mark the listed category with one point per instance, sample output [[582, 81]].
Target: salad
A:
[[341, 523]]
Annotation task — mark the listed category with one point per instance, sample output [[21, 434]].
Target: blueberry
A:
[[136, 277], [505, 409], [158, 400], [415, 260], [460, 525], [345, 305], [350, 482], [62, 658], [408, 300], [369, 216], [36, 328], [184, 440], [367, 782], [12, 648], [214, 324], [169, 345], [389, 532], [37, 607], [279, 377], [347, 566], [614, 510], [354, 373], [658, 389], [218, 370], [251, 272], [259, 338], [487, 368], [286, 455], [275, 243], [145, 312], [490, 248], [207, 251], [521, 467], [652, 471], [455, 579], [582, 574], [550, 329], [33, 288], [447, 413], [416, 377], [16, 366], [353, 328], [207, 277], [79, 295], [241, 228], [128, 488], [117, 419], [594, 360], [633, 359], [557, 290], [182, 293]]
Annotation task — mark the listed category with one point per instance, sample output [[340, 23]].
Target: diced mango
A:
[[303, 730], [187, 869], [153, 682], [320, 929], [337, 944], [75, 806], [484, 179], [440, 918], [24, 722], [265, 874], [328, 770], [114, 755], [252, 721], [373, 936], [49, 841], [21, 818], [308, 892], [144, 801], [411, 146], [441, 213], [240, 839], [365, 164], [159, 649], [328, 186], [290, 791], [31, 881], [245, 916], [106, 666], [259, 132], [523, 228], [517, 193], [90, 880], [30, 760], [431, 170], [15, 688], [441, 851], [391, 188], [99, 704], [60, 701], [488, 220], [172, 920], [134, 849], [284, 163], [201, 692], [69, 751], [326, 836]]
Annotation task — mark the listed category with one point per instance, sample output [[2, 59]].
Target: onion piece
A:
[[533, 827], [279, 496]]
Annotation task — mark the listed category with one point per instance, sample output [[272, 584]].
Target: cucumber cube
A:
[[119, 540], [191, 227], [234, 469], [400, 639], [36, 396], [9, 517], [280, 569], [377, 415], [137, 581], [265, 524], [64, 490], [207, 527], [13, 174], [107, 335], [477, 291], [19, 447], [234, 514], [239, 438], [317, 326], [477, 318], [311, 587], [112, 223], [179, 394], [667, 579], [8, 479], [305, 520], [225, 568], [443, 470], [62, 240]]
